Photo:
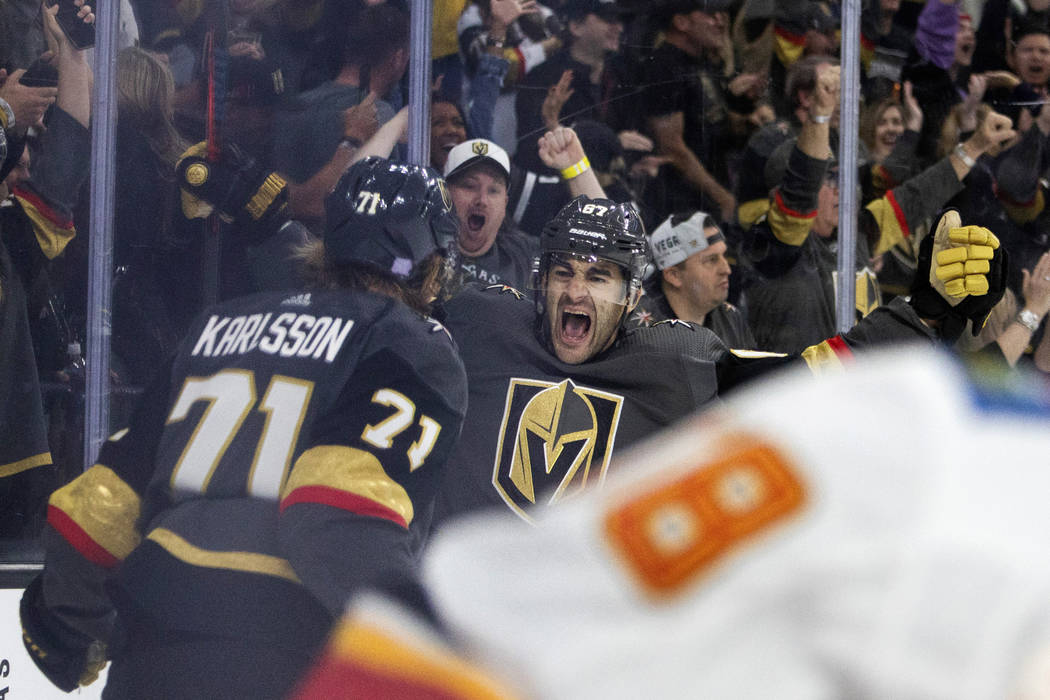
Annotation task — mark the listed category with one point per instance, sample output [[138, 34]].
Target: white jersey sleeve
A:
[[872, 534]]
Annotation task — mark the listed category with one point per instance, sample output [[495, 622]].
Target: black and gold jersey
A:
[[290, 453], [539, 430]]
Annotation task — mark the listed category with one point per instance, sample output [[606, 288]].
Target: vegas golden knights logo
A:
[[480, 148], [555, 440], [867, 293]]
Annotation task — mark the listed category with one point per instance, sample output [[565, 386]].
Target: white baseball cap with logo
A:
[[469, 153], [682, 236]]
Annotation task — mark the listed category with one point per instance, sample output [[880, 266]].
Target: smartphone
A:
[[81, 35], [40, 74]]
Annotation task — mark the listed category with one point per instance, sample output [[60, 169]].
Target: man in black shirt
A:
[[594, 31], [687, 104]]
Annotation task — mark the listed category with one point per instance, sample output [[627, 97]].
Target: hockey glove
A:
[[960, 276], [239, 188], [68, 658]]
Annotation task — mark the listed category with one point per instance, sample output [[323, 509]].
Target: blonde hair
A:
[[146, 97], [870, 116]]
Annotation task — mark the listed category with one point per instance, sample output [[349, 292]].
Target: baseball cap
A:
[[469, 153], [681, 236], [606, 9]]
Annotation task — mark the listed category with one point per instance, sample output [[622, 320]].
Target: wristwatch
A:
[[965, 157], [1028, 319]]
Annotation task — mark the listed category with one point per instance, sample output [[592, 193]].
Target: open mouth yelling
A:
[[575, 327], [475, 222]]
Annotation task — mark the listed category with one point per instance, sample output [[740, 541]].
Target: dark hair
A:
[[376, 33], [441, 97], [1032, 23], [802, 77]]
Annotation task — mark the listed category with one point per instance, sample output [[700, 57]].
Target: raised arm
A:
[[561, 150]]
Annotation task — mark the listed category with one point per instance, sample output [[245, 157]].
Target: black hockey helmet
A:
[[392, 215], [596, 229]]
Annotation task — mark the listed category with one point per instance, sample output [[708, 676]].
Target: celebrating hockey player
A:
[[554, 383], [558, 384], [288, 454]]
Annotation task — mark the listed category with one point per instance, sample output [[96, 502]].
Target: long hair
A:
[[870, 116], [428, 281], [146, 99]]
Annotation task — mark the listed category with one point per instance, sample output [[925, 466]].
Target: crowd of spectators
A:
[[683, 106], [714, 122]]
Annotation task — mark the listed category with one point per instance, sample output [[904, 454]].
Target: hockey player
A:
[[554, 383], [557, 385], [287, 455]]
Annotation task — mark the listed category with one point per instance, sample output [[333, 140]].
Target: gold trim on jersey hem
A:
[[251, 562], [11, 468]]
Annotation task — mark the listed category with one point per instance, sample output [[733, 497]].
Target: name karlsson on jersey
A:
[[298, 334]]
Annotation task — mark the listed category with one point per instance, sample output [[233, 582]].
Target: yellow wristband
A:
[[575, 170]]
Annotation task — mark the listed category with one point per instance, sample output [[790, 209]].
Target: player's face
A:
[[585, 300], [446, 131], [480, 196], [705, 276]]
